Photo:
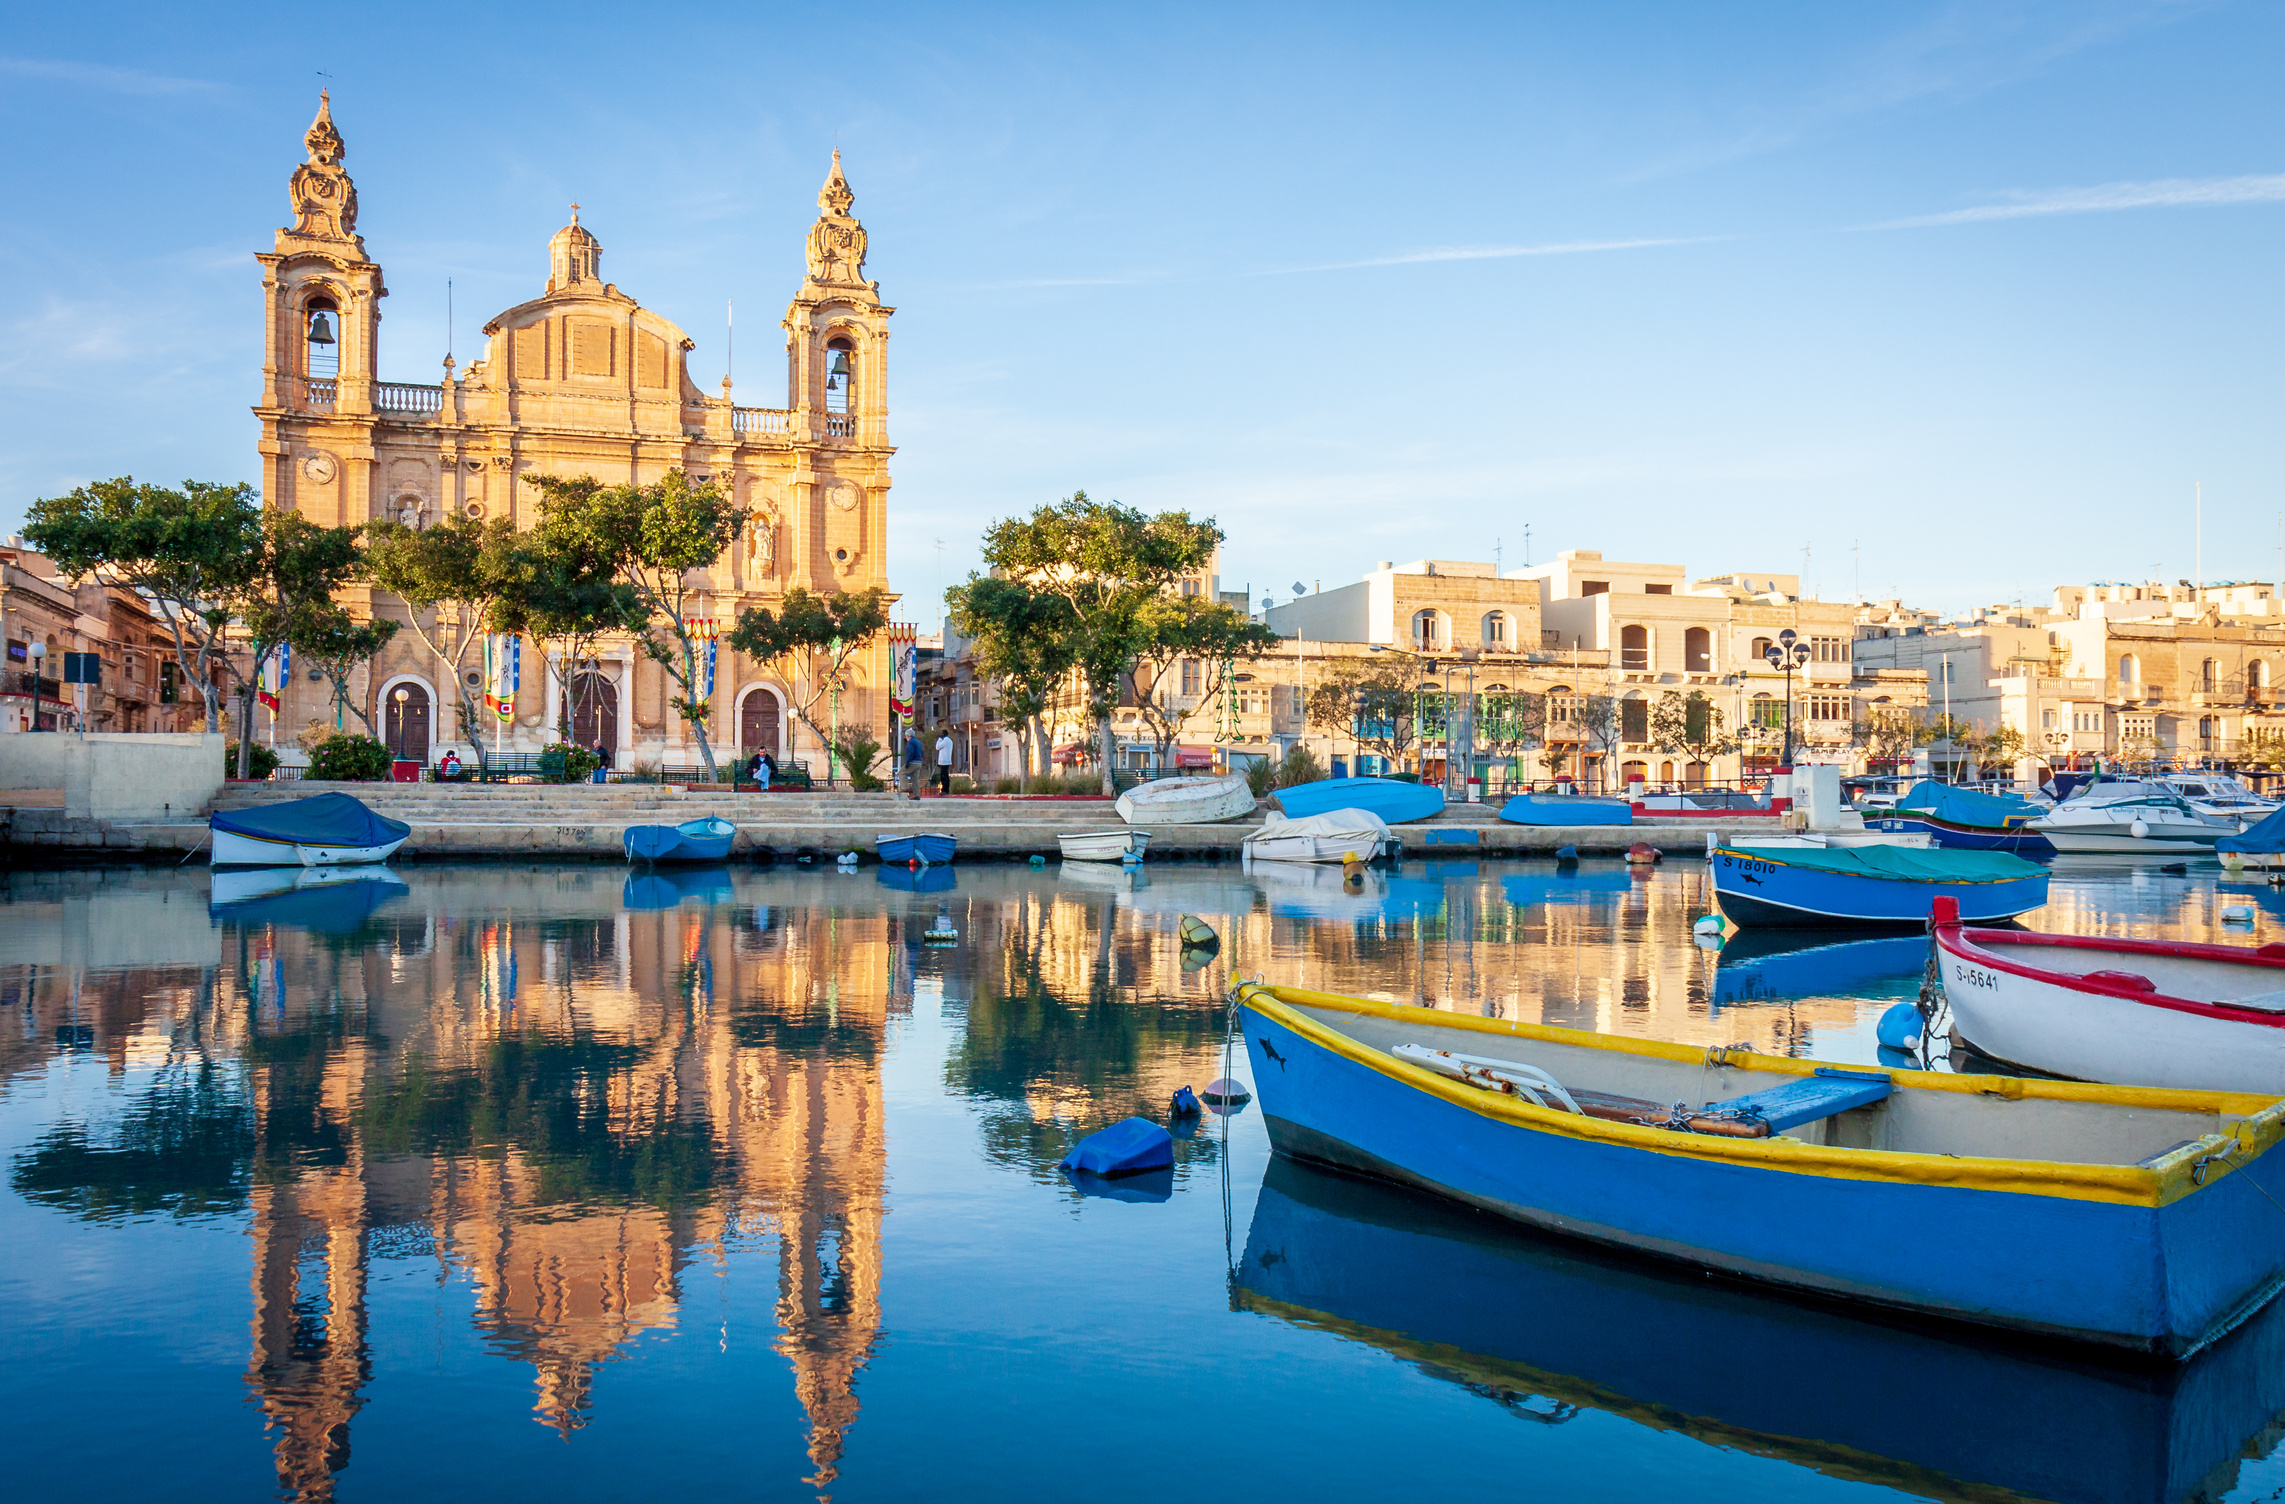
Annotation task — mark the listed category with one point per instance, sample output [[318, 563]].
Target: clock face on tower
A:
[[842, 494], [318, 467]]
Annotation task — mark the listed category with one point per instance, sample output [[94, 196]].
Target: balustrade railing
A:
[[319, 391], [840, 426], [760, 420], [403, 397]]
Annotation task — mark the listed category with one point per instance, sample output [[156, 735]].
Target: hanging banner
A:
[[511, 678], [262, 690], [710, 646]]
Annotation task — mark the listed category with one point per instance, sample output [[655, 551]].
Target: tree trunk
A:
[[1036, 730], [705, 751], [1109, 746], [246, 731]]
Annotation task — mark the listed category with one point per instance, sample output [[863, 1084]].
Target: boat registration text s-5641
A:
[[1974, 976]]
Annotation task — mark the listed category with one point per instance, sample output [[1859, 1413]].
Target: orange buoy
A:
[[1641, 854]]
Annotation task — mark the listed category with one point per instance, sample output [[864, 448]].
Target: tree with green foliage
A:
[[1172, 628], [812, 637], [1108, 563], [335, 645], [1599, 731], [1022, 641], [1373, 701], [567, 599], [660, 540], [350, 758], [1692, 725], [287, 591], [188, 550], [456, 580]]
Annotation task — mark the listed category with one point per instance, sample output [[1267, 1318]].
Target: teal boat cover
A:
[[2264, 839], [1910, 864], [1967, 807], [325, 820]]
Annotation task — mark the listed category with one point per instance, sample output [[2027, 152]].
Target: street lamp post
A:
[[1788, 653], [39, 653]]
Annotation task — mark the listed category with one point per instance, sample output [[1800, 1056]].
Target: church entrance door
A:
[[405, 723], [595, 712], [758, 724]]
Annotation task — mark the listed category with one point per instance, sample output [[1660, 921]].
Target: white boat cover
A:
[[1319, 838], [1186, 801]]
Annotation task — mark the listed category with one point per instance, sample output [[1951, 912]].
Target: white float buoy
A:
[[2140, 829], [2237, 913], [1710, 925]]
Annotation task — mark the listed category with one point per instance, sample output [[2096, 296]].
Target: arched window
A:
[[1760, 652], [1634, 649], [1496, 632], [1426, 630], [2128, 669], [321, 339], [1633, 772], [1697, 651], [840, 375], [2257, 674]]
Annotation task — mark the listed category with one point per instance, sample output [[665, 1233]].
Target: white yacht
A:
[[2220, 794], [2131, 816]]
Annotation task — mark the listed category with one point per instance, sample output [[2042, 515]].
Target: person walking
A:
[[943, 763], [912, 762]]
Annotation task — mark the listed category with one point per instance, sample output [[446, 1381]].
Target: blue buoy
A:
[[1126, 1148], [1185, 1103], [1900, 1027], [1037, 861], [1565, 855]]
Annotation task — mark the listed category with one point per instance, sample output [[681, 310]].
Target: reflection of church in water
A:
[[568, 1116]]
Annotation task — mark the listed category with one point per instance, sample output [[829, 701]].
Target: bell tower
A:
[[837, 328], [322, 317]]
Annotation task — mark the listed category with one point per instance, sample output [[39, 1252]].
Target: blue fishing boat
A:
[[1870, 885], [1566, 809], [2108, 1215], [1395, 800], [650, 892], [929, 848], [1966, 820], [1555, 1331], [702, 840], [324, 830]]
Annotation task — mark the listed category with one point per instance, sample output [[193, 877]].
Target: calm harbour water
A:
[[548, 1182]]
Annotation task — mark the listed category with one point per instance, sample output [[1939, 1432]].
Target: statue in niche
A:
[[409, 511]]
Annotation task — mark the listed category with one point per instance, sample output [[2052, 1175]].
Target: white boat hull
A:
[[1104, 845], [234, 850], [1186, 801], [2091, 1036], [1331, 837], [2119, 840]]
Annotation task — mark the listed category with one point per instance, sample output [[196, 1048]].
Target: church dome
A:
[[573, 256]]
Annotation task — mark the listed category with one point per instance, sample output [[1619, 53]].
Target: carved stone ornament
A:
[[836, 241], [843, 494], [503, 462], [320, 467], [324, 199]]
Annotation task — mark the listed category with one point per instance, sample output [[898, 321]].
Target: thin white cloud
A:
[[1487, 253], [111, 80], [2105, 198]]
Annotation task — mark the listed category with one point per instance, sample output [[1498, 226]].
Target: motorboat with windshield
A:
[[2221, 794], [2133, 817]]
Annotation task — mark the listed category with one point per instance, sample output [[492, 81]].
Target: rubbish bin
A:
[[404, 770]]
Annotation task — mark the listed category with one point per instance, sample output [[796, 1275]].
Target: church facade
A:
[[581, 380]]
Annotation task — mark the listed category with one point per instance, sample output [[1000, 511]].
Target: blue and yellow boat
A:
[[2123, 1217], [1855, 886]]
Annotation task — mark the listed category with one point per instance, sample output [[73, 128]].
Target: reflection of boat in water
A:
[[1300, 890], [328, 900], [646, 891], [930, 879], [1100, 877], [1757, 964], [1549, 1329]]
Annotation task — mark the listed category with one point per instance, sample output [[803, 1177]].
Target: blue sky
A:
[[1961, 299]]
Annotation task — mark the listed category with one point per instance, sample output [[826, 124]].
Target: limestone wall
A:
[[118, 775]]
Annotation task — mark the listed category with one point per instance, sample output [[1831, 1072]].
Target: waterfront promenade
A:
[[458, 821]]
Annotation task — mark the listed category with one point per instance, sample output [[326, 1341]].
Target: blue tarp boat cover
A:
[[2265, 838], [1934, 864], [1126, 1148], [1967, 807], [322, 820], [1566, 809]]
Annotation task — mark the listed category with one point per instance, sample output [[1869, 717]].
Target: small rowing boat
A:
[[2144, 1012], [1566, 809], [2115, 1216], [2260, 849], [1966, 820], [323, 830], [1186, 801], [703, 840], [1869, 885], [930, 848], [1395, 800], [1104, 845]]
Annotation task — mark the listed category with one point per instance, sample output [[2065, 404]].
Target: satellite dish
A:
[[1299, 588]]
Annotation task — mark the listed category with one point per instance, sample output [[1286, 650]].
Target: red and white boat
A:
[[2135, 1012]]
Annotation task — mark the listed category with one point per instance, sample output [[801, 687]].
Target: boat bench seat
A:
[[1810, 1098]]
